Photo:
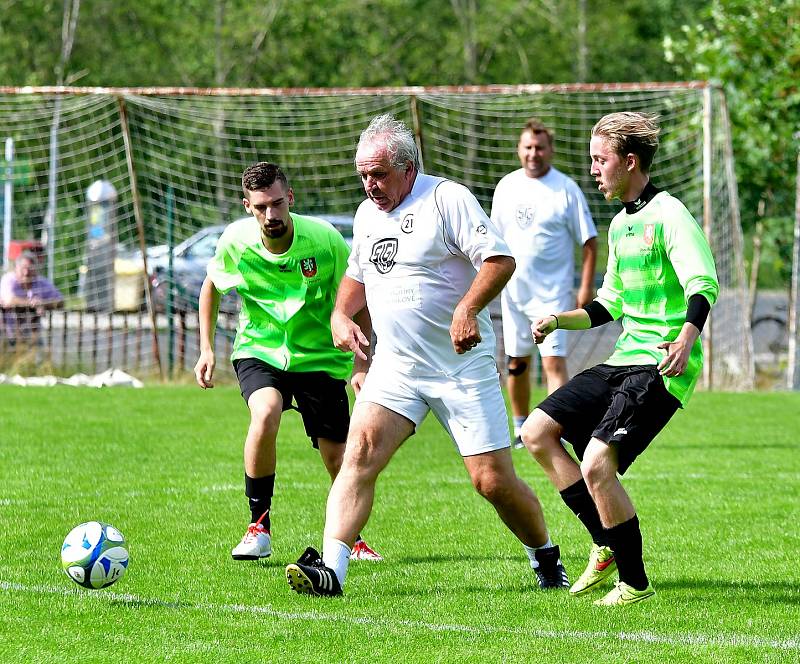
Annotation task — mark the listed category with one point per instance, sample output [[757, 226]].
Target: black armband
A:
[[697, 311], [598, 314]]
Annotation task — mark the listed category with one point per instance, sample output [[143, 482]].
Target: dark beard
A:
[[275, 232]]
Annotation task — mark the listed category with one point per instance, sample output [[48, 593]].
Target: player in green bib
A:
[[661, 283], [286, 269]]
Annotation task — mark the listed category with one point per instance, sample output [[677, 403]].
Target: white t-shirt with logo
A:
[[416, 263], [542, 219]]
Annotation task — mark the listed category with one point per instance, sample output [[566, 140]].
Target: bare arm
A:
[[209, 309], [586, 289], [52, 299], [351, 300], [577, 319], [37, 302], [361, 365], [493, 275]]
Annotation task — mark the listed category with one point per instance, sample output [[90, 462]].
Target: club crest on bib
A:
[[649, 234], [383, 254], [524, 216], [308, 266]]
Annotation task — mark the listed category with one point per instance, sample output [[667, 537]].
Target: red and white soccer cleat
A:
[[362, 551]]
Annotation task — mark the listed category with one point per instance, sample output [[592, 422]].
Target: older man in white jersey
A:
[[542, 214], [426, 261]]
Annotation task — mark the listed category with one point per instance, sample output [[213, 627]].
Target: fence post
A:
[[708, 349], [417, 125], [137, 213], [793, 368]]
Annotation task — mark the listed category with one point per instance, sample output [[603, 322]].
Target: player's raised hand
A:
[[542, 327], [347, 335], [204, 369]]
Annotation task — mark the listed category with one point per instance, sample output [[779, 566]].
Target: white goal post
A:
[[174, 157]]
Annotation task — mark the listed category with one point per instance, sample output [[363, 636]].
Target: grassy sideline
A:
[[717, 495]]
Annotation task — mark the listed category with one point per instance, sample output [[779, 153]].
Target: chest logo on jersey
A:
[[649, 234], [524, 216], [407, 225], [308, 266], [383, 254]]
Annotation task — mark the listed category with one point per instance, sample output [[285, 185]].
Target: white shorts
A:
[[469, 405], [518, 338]]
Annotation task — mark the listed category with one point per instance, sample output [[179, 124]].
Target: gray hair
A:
[[398, 139]]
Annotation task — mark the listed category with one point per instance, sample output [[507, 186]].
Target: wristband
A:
[[556, 317]]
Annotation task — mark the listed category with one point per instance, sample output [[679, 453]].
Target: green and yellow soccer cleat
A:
[[602, 564], [623, 594]]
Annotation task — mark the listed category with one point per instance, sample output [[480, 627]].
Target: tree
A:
[[753, 49]]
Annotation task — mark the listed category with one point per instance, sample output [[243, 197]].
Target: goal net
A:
[[174, 159]]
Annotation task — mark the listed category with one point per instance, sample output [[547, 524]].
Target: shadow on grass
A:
[[460, 558], [444, 587], [138, 603], [733, 446], [769, 592]]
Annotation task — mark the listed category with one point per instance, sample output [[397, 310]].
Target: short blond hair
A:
[[629, 132]]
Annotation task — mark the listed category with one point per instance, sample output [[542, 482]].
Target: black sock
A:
[[259, 493], [579, 500], [626, 541]]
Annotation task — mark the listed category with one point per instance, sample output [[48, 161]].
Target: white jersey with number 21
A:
[[416, 263]]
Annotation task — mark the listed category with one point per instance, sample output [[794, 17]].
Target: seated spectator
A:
[[24, 296]]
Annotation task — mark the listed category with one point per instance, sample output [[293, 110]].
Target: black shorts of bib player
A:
[[624, 406], [320, 399]]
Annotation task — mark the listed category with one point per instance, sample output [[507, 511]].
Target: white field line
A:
[[696, 639]]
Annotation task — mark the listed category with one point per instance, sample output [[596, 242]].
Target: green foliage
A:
[[716, 495], [754, 50], [337, 42]]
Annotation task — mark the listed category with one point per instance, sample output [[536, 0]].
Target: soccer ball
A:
[[94, 555]]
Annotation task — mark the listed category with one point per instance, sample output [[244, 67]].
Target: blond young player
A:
[[661, 283]]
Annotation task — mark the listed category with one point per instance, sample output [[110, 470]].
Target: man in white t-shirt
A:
[[426, 261], [542, 214]]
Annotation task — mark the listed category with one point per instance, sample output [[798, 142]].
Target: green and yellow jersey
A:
[[287, 299], [658, 258]]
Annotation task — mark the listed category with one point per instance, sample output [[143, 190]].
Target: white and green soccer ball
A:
[[94, 555]]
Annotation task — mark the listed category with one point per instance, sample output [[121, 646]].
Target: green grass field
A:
[[717, 494]]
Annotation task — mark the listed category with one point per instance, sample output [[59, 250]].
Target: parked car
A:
[[189, 260]]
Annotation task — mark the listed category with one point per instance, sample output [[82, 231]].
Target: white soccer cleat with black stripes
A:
[[310, 576]]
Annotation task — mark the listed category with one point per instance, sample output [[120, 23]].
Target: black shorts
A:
[[321, 399], [622, 406]]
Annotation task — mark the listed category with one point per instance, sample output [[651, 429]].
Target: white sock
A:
[[531, 551], [519, 420], [336, 555]]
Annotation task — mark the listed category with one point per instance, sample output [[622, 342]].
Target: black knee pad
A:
[[519, 366]]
